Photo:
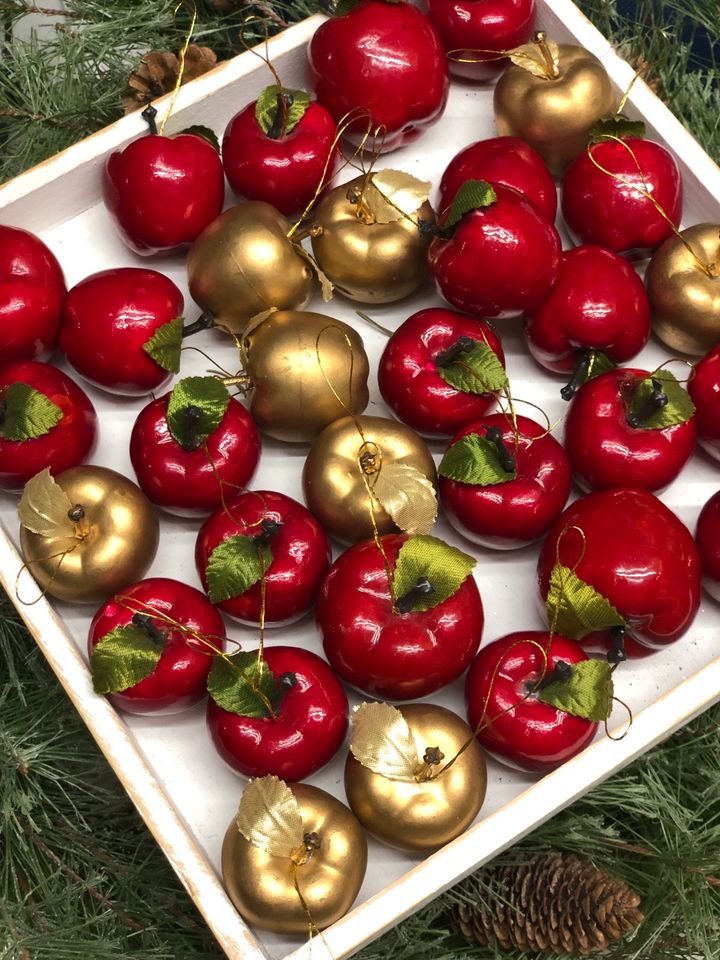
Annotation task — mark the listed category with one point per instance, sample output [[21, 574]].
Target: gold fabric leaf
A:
[[407, 496], [269, 817], [395, 195], [44, 507], [381, 740], [530, 57]]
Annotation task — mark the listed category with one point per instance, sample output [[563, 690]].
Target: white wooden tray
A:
[[185, 794]]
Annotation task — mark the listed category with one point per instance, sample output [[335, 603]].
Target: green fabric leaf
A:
[[472, 195], [345, 6], [164, 345], [678, 409], [580, 608], [477, 370], [444, 566], [617, 126], [587, 692], [234, 566], [241, 684], [28, 413], [198, 130], [474, 459], [124, 657], [267, 109], [195, 409]]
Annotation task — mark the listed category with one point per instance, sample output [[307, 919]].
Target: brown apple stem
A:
[[432, 757], [277, 129], [540, 39], [269, 529], [579, 374], [145, 622], [423, 588], [617, 654], [655, 402], [451, 354], [495, 437], [192, 415], [149, 114], [310, 844], [76, 513], [204, 322], [561, 671]]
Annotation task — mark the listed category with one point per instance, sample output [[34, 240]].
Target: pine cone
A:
[[555, 903], [158, 72]]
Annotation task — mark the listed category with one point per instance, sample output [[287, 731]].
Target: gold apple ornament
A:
[[304, 370], [370, 236], [87, 533], [551, 96], [367, 475], [294, 858], [415, 776], [683, 286]]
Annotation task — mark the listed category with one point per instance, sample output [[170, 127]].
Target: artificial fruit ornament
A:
[[415, 777], [370, 236], [704, 390], [86, 533], [683, 286], [551, 96], [707, 538], [400, 617], [162, 191], [383, 66], [293, 858], [366, 474]]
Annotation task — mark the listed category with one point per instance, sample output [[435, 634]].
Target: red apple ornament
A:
[[629, 427], [292, 729], [704, 390], [495, 254], [32, 290], [472, 31], [441, 369], [122, 330], [46, 421], [407, 643], [193, 447], [295, 557], [384, 62], [640, 563], [501, 490], [503, 691], [611, 194], [132, 634], [506, 160], [707, 538], [162, 191], [598, 305], [280, 149]]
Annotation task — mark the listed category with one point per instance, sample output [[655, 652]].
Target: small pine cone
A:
[[556, 903], [158, 72]]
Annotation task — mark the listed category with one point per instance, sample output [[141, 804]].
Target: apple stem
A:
[[432, 757], [145, 622], [617, 654], [192, 416], [495, 436], [285, 682], [204, 322], [561, 671], [148, 115], [579, 374], [552, 69], [461, 345], [277, 128], [269, 529], [423, 588], [428, 228], [655, 402], [76, 513]]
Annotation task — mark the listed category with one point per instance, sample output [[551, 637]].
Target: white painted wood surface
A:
[[180, 787]]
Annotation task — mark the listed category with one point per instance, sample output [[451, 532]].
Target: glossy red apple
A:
[[409, 375], [704, 390], [108, 320], [384, 59], [189, 476], [162, 191], [384, 652], [514, 512], [531, 735], [300, 554], [636, 553], [600, 208], [501, 259], [32, 290], [69, 442], [598, 304], [179, 679], [707, 538], [281, 167], [611, 445], [307, 729], [468, 27], [506, 160]]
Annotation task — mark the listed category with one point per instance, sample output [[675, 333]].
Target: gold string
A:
[[26, 566], [313, 928], [181, 68], [254, 18]]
